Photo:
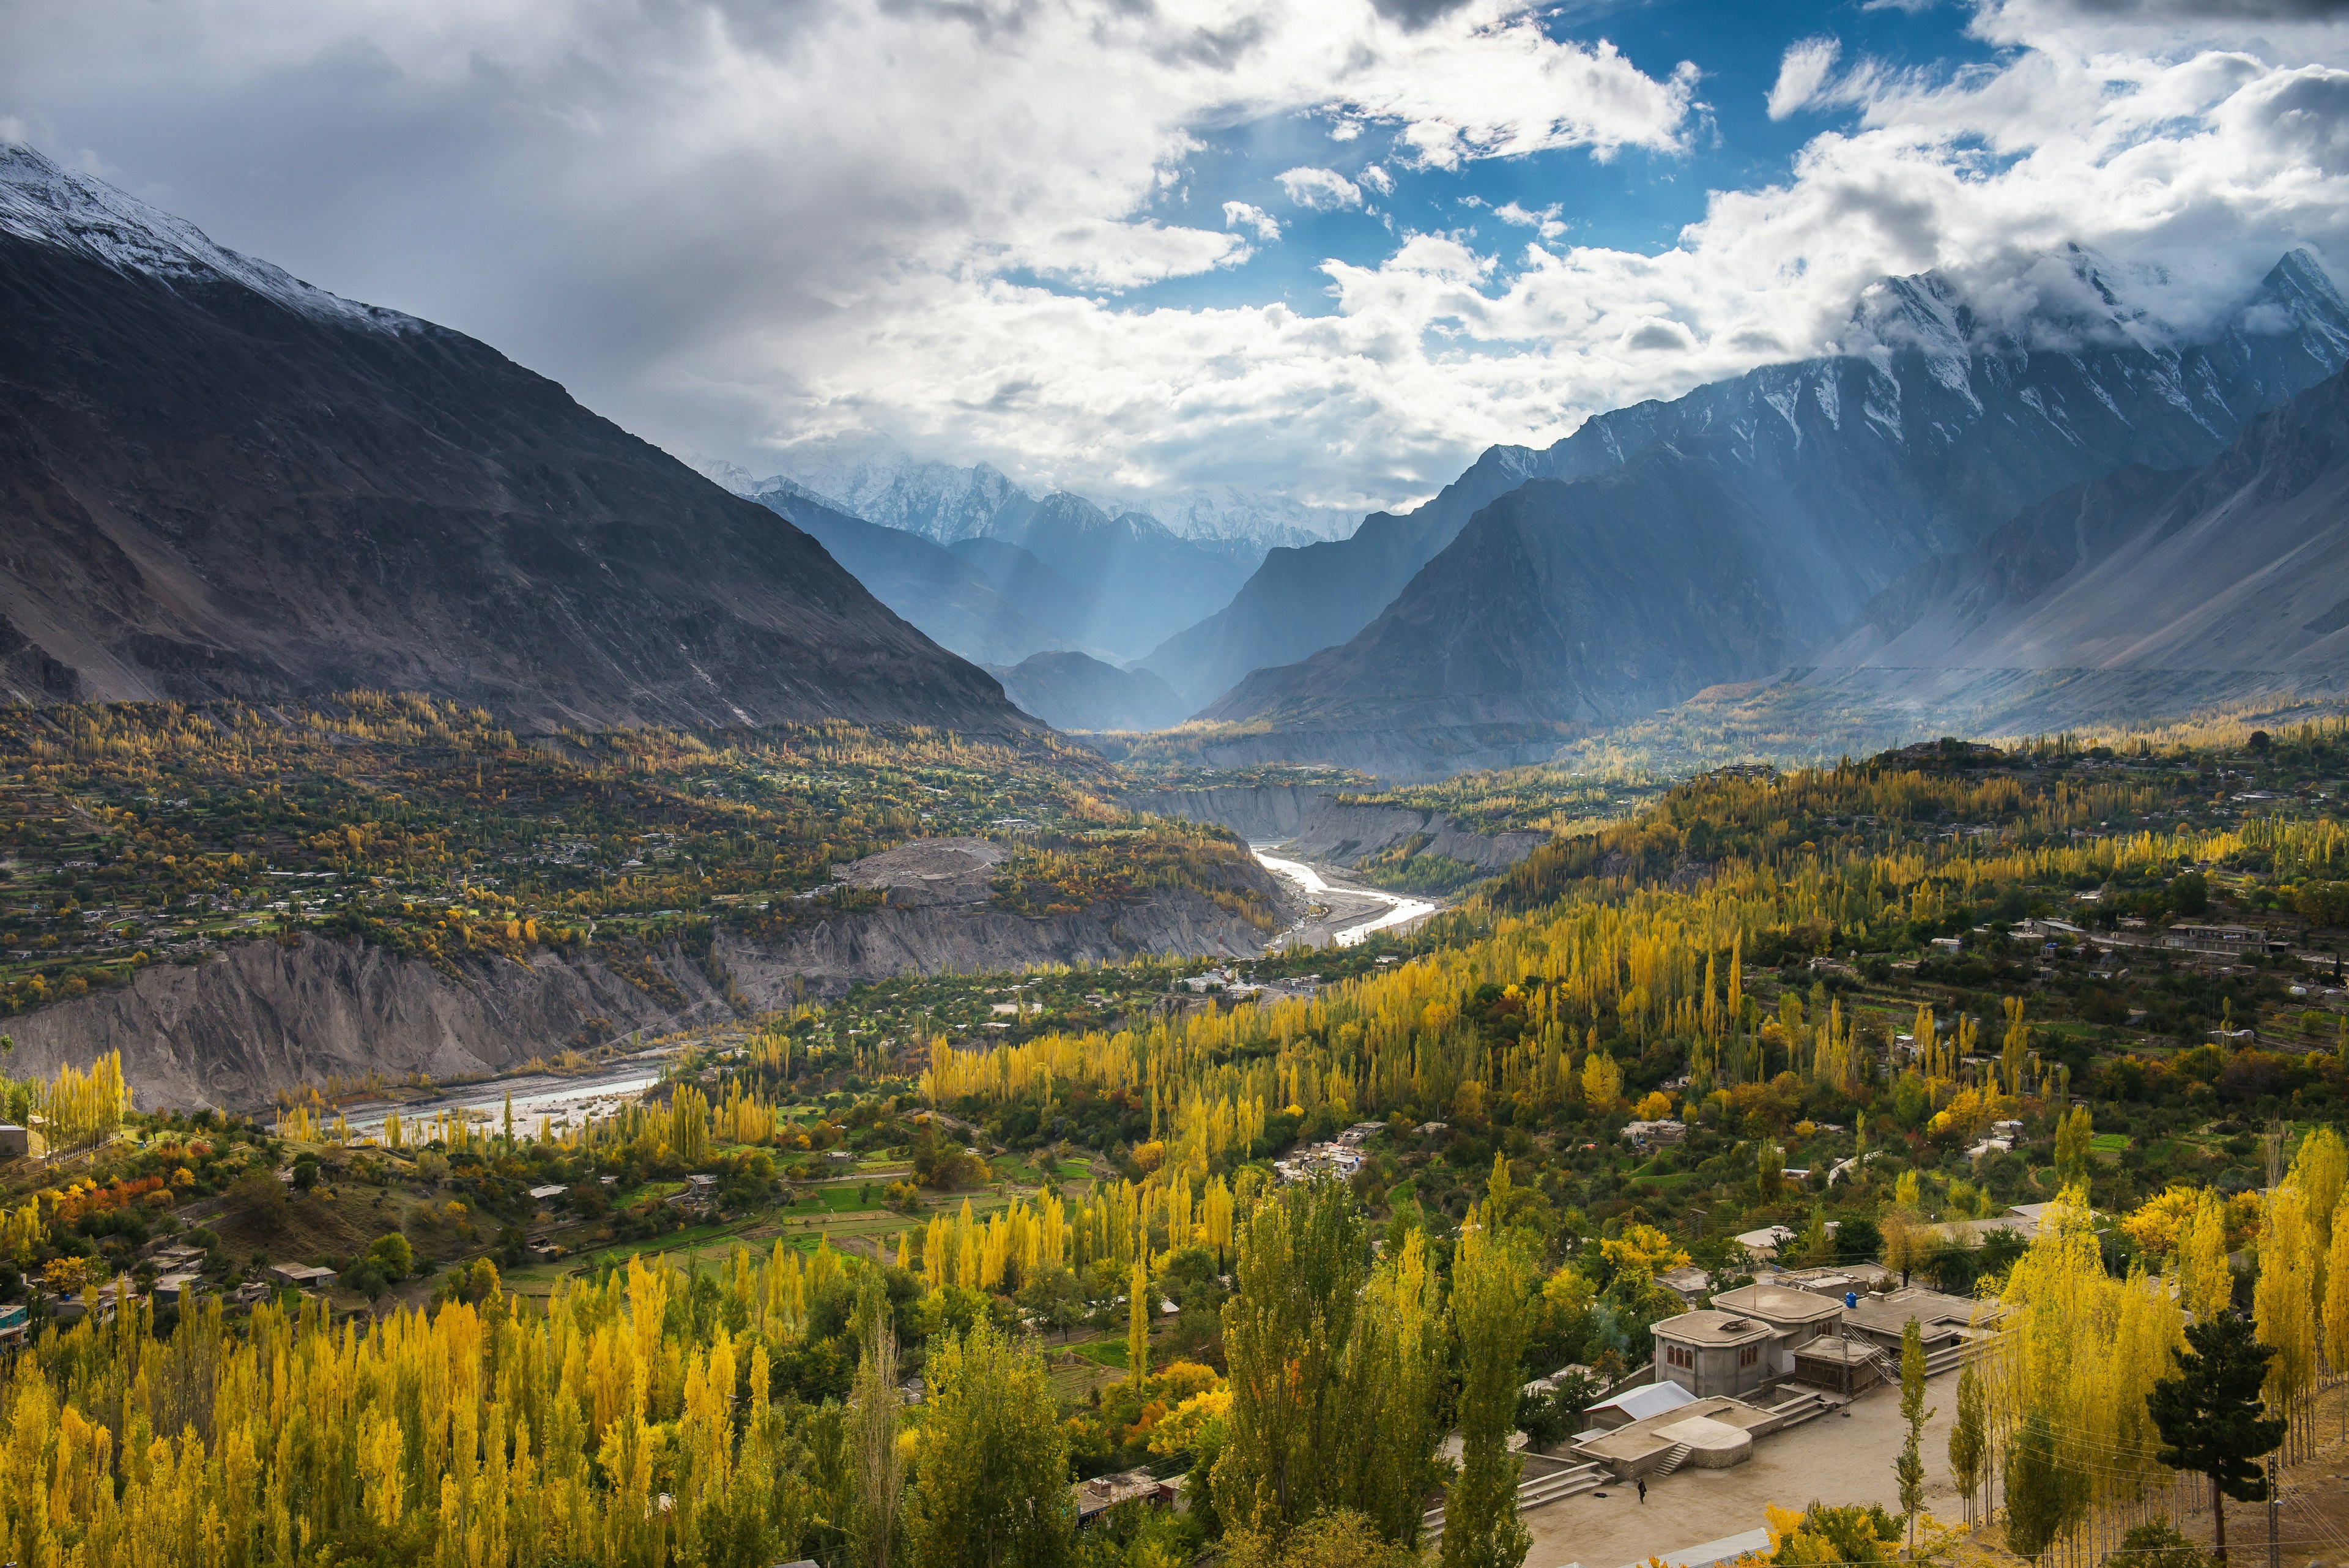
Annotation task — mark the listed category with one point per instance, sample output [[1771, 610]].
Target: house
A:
[[1709, 1434], [1950, 1327], [2225, 941], [550, 1193], [1689, 1283], [1643, 1403], [170, 1290], [1839, 1282], [21, 1143], [14, 1326], [1646, 1134], [301, 1276], [1711, 1353], [1793, 1317], [1099, 1495], [1360, 1133], [1763, 1245], [1838, 1365]]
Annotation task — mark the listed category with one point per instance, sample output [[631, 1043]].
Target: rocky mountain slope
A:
[[2134, 592], [1717, 538], [219, 480], [267, 1017], [1070, 692]]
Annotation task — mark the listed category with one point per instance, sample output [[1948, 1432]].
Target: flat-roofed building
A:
[[1712, 1353]]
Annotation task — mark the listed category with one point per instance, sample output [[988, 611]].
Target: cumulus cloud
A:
[[1321, 190], [733, 227], [1545, 220], [1241, 215], [1378, 180], [1802, 73]]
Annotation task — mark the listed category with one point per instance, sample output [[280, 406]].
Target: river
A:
[[1385, 909]]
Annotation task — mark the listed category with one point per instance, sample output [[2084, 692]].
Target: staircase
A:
[[1804, 1406], [1671, 1462], [1571, 1481]]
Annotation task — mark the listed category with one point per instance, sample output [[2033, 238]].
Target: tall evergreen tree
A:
[[2209, 1415]]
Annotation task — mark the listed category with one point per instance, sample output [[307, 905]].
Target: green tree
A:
[[1909, 1467], [393, 1255], [1491, 1316], [2209, 1415], [1285, 1333], [1969, 1441], [1054, 1298], [2042, 1493], [1337, 1539], [992, 1488]]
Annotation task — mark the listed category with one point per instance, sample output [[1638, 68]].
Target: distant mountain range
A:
[[1070, 692], [220, 481], [945, 503], [1116, 585], [1722, 535]]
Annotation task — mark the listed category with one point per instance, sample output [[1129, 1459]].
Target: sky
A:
[[1327, 249]]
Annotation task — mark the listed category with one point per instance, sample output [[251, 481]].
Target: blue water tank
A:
[[1851, 1298]]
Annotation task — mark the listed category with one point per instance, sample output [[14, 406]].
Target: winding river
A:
[[1399, 909]]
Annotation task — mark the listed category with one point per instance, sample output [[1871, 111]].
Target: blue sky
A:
[[1636, 201], [996, 229]]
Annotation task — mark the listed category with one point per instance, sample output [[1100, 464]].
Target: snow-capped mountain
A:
[[219, 480], [945, 503], [40, 201], [1668, 547]]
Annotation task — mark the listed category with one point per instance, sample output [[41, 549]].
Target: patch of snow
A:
[[1829, 397], [42, 203]]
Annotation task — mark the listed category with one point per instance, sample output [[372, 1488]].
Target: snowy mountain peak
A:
[[44, 203]]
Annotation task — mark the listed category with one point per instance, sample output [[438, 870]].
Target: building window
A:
[[1750, 1356], [1680, 1356]]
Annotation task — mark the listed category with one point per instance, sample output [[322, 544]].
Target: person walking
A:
[[1643, 1492]]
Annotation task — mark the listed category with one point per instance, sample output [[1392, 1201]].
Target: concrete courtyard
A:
[[1835, 1458]]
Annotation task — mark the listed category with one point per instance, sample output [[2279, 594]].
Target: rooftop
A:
[[1710, 1327], [1778, 1306]]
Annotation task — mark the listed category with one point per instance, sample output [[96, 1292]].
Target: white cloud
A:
[[1801, 73], [1321, 190], [734, 226], [1378, 180], [1241, 215], [1545, 221]]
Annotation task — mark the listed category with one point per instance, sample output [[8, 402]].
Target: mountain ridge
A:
[[1924, 347], [1818, 484], [223, 483]]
